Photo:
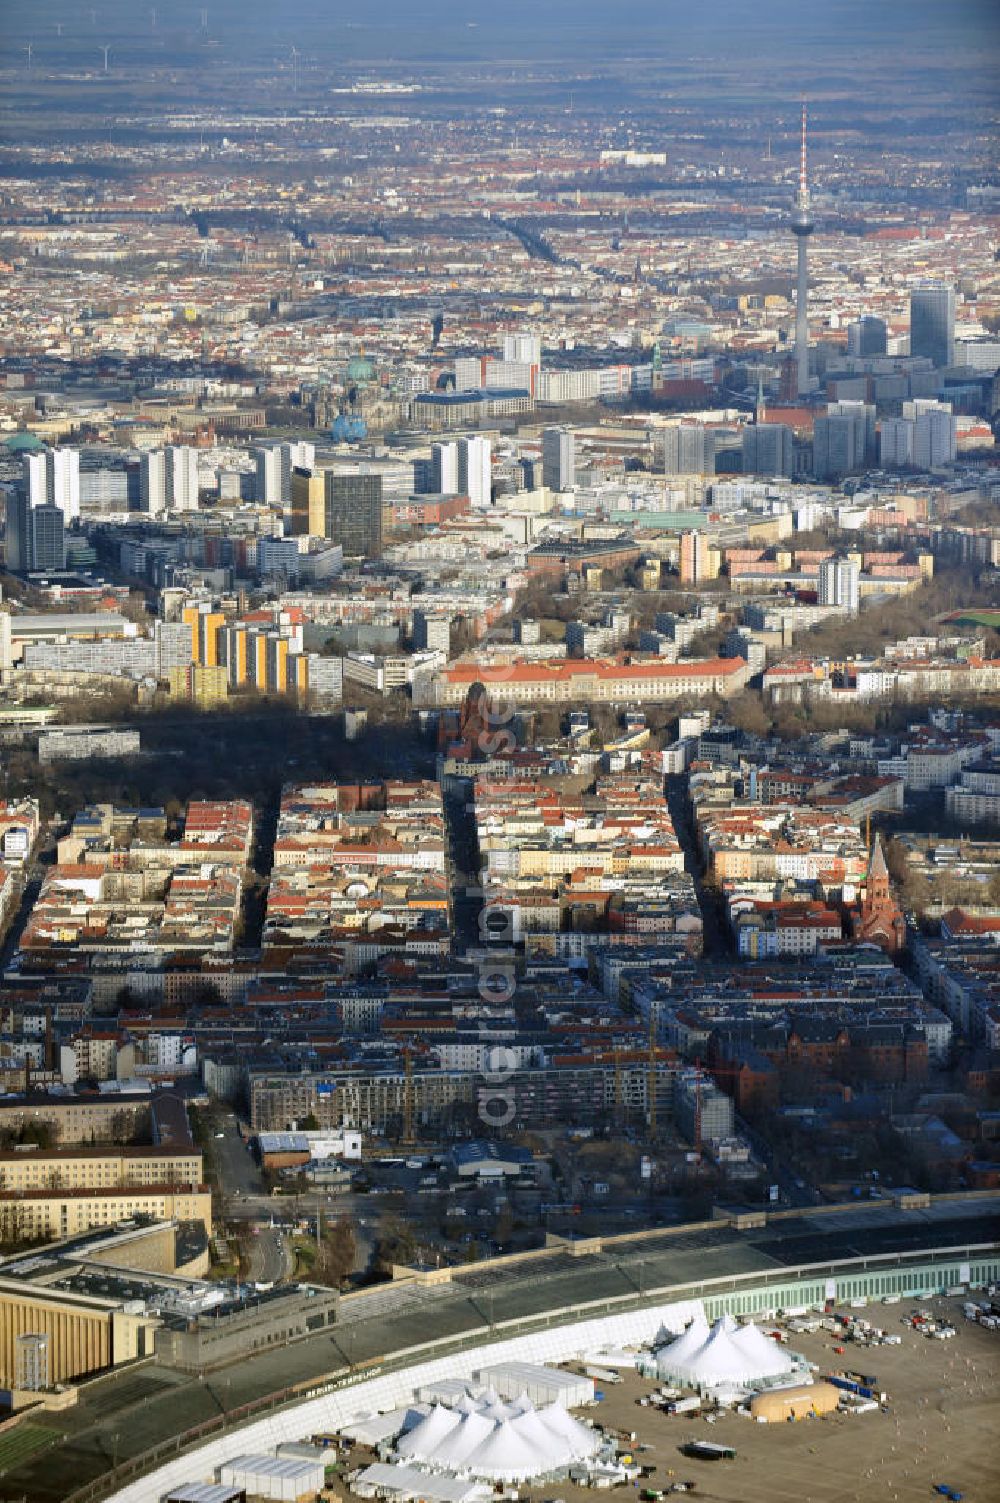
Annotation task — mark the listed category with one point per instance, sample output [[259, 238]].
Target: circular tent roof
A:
[[23, 443], [729, 1355]]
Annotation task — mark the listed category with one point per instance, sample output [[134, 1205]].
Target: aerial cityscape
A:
[[499, 751]]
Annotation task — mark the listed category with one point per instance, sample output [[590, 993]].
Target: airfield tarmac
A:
[[943, 1398]]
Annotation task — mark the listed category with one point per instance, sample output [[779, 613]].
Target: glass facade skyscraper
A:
[[932, 322]]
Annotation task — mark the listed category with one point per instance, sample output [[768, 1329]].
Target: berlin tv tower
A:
[[802, 227]]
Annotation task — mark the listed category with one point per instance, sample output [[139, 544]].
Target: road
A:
[[31, 879], [245, 1199], [269, 1257], [465, 878], [235, 1167], [716, 936], [359, 1210]]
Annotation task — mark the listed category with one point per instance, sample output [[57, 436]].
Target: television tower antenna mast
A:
[[29, 50], [106, 50], [802, 227], [803, 200]]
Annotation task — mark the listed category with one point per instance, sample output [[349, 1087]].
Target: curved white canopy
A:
[[727, 1355]]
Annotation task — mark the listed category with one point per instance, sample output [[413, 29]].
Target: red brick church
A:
[[878, 917]]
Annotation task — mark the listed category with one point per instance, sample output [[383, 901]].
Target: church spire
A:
[[877, 869]]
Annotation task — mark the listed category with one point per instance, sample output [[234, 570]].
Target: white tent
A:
[[374, 1429], [456, 1448], [487, 1438], [684, 1347], [543, 1439], [581, 1440], [766, 1355], [423, 1440], [506, 1455], [727, 1357]]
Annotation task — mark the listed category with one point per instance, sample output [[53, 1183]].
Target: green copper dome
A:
[[360, 371], [23, 443]]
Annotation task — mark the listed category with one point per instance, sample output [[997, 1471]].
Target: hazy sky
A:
[[520, 27]]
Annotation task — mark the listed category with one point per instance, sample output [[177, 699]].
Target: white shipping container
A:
[[543, 1385], [274, 1477]]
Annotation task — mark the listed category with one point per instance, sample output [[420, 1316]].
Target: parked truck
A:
[[690, 1405]]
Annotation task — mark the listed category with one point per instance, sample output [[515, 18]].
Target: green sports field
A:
[[983, 617], [17, 1444]]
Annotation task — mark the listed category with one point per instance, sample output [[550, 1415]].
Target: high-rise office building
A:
[[522, 349], [431, 632], [768, 449], [52, 478], [839, 583], [863, 414], [802, 226], [65, 488], [275, 466], [474, 471], [16, 528], [153, 482], [935, 433], [687, 449], [204, 623], [35, 540], [181, 478], [444, 469], [895, 443], [932, 322], [308, 504], [353, 513], [699, 559], [844, 440], [982, 354], [925, 437], [558, 459], [867, 336], [267, 481], [838, 447]]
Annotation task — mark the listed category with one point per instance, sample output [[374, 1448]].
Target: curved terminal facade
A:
[[563, 1302]]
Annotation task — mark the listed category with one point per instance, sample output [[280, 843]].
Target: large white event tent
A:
[[500, 1442], [725, 1356]]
